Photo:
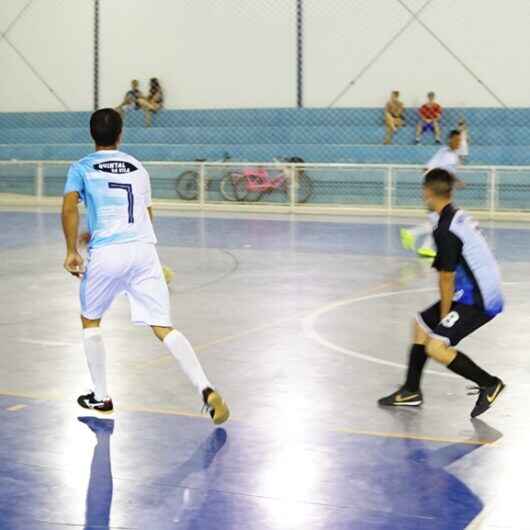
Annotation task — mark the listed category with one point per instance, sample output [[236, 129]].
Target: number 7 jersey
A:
[[116, 190]]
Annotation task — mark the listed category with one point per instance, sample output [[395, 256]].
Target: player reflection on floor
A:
[[432, 499], [100, 486]]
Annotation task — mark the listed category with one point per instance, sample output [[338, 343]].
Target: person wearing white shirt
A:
[[447, 158], [463, 152]]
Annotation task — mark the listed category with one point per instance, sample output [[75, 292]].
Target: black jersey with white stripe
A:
[[462, 249]]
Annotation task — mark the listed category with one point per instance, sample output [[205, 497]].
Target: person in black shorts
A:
[[470, 296]]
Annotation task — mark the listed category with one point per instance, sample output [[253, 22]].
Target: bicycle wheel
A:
[[243, 191], [253, 196], [188, 185], [240, 188], [230, 187]]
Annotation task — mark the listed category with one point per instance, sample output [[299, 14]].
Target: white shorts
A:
[[130, 268]]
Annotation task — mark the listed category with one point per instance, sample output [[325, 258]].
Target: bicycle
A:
[[253, 183], [187, 183]]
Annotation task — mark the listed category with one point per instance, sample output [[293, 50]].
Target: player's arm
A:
[[449, 252], [73, 262], [150, 211], [446, 283]]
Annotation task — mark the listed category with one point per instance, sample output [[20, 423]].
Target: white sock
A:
[[95, 356], [181, 349]]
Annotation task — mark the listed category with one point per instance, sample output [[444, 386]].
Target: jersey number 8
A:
[[451, 319]]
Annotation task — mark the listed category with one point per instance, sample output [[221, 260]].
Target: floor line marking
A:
[[168, 412], [353, 432], [48, 342], [404, 436], [227, 338], [257, 329], [318, 312], [31, 395], [16, 408], [309, 323], [308, 315]]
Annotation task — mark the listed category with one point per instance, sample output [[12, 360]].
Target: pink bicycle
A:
[[253, 183]]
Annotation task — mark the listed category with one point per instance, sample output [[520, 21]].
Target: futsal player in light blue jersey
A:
[[122, 258]]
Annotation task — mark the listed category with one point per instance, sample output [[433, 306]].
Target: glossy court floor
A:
[[302, 324]]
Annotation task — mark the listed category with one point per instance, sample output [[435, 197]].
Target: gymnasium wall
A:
[[242, 54]]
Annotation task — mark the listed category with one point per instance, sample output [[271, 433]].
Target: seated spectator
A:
[[393, 116], [131, 99], [430, 115], [153, 102]]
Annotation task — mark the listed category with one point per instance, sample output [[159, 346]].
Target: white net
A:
[[260, 81]]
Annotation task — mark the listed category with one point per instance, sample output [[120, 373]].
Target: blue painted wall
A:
[[498, 136]]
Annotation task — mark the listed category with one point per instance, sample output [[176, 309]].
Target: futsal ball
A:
[[168, 274]]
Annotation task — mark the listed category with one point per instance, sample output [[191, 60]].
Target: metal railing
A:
[[326, 188]]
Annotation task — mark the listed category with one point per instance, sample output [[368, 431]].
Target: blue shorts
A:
[[427, 127]]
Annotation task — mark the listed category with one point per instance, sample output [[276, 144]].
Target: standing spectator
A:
[[393, 116], [131, 98], [153, 102], [430, 115], [447, 159], [463, 150]]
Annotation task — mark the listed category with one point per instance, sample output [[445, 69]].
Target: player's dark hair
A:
[[105, 127], [453, 133], [440, 182]]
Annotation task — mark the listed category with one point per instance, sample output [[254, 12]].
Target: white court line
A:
[[16, 408], [48, 342], [308, 325]]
